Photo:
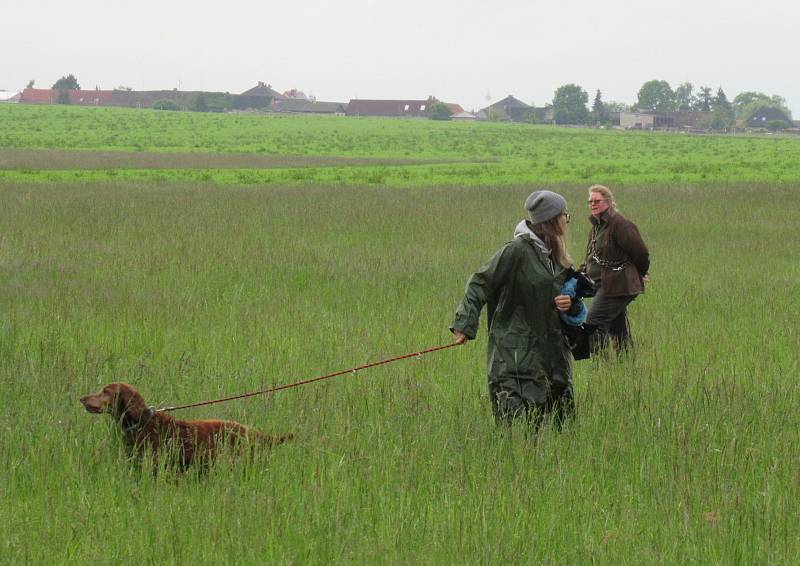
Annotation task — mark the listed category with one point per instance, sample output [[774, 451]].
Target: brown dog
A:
[[145, 429]]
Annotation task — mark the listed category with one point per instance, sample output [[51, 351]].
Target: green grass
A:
[[488, 153], [200, 282], [687, 453]]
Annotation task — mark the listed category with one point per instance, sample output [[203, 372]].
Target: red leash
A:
[[312, 380]]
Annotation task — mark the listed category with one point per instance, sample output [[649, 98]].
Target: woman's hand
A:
[[563, 302], [460, 337]]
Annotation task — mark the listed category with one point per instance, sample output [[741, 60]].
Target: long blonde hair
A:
[[606, 192], [552, 235]]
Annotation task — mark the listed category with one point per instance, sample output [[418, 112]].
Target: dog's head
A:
[[118, 399]]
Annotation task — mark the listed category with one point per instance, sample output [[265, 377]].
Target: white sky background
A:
[[457, 51]]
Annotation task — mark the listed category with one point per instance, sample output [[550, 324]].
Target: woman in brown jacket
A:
[[617, 259]]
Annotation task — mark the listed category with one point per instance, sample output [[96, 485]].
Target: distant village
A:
[[263, 99]]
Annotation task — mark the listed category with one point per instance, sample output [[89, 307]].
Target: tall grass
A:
[[686, 453]]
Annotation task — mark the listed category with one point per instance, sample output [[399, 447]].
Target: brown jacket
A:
[[625, 259]]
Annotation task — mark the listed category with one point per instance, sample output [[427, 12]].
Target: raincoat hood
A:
[[522, 229]]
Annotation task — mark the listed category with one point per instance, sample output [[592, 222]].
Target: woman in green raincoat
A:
[[529, 360]]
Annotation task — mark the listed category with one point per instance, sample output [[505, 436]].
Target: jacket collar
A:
[[604, 218]]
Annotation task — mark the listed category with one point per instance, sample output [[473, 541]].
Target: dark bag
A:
[[586, 286], [579, 339]]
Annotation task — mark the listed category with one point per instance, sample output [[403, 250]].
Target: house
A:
[[544, 115], [679, 119], [685, 119], [263, 89], [148, 98], [215, 101], [766, 114], [300, 106], [9, 97], [463, 116], [390, 108], [73, 96], [510, 109], [454, 108], [39, 96], [297, 94], [259, 97], [637, 120]]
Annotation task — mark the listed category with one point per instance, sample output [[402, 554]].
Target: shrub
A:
[[166, 104], [775, 125], [439, 111]]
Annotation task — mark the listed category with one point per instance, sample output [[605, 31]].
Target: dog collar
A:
[[134, 426]]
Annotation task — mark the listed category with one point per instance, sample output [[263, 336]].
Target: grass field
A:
[[193, 290], [485, 153]]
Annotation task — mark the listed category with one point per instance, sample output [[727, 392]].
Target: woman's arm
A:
[[481, 287]]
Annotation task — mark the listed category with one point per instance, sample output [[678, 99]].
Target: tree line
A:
[[570, 104]]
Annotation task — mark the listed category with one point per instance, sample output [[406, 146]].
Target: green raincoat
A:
[[527, 351]]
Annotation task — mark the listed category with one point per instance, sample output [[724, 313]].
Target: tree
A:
[[748, 97], [30, 83], [704, 99], [569, 105], [775, 125], [67, 83], [721, 118], [63, 86], [656, 96], [599, 114], [166, 104], [684, 96], [439, 111], [614, 106], [721, 100], [745, 104], [780, 102]]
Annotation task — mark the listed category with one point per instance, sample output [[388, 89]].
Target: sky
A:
[[469, 52]]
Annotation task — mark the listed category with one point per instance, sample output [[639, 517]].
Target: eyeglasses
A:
[[598, 201], [567, 217]]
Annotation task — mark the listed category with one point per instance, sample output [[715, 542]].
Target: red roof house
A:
[[77, 97]]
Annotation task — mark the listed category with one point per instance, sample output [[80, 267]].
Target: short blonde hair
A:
[[606, 192]]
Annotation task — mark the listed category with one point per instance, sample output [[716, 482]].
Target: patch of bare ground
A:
[[46, 159]]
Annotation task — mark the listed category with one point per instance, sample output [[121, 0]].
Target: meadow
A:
[[445, 153], [194, 283]]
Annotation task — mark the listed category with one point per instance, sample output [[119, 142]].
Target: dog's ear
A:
[[128, 400], [119, 398]]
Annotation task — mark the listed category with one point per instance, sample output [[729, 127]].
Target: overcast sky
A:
[[462, 51]]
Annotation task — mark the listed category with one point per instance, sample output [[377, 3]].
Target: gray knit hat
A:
[[544, 205]]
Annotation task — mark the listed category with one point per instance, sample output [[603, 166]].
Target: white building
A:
[[9, 96]]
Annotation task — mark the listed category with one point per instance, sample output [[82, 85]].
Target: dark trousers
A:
[[532, 400], [609, 315]]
